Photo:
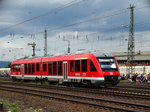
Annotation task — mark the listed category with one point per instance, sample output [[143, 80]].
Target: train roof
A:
[[59, 58]]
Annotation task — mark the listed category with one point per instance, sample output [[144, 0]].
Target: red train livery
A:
[[79, 68]]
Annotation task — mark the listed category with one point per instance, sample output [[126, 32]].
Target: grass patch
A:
[[38, 110], [13, 107]]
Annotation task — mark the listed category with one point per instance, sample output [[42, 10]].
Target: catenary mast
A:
[[131, 44]]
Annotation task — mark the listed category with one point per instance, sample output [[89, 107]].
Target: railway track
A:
[[133, 90], [105, 92], [141, 86], [110, 92], [79, 99], [134, 86]]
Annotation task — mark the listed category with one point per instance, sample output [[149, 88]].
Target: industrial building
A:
[[141, 62]]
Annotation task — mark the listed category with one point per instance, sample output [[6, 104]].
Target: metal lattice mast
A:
[[45, 45], [131, 44]]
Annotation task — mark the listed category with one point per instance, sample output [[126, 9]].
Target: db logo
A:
[[111, 73]]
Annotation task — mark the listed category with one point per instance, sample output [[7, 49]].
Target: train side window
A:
[[84, 65], [25, 68], [71, 66], [29, 68], [77, 65], [44, 67], [37, 67], [59, 68], [32, 66], [54, 68], [19, 67], [12, 68], [92, 67], [50, 72], [15, 68]]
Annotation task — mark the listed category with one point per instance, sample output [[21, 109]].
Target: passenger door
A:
[[65, 70], [22, 72]]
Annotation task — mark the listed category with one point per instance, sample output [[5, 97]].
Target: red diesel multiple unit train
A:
[[79, 68]]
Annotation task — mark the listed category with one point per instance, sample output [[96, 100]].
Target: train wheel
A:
[[105, 86], [45, 79], [37, 80], [14, 79]]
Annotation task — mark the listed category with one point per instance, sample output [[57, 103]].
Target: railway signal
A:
[[33, 46]]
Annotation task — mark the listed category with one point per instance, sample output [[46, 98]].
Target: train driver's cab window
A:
[[84, 65], [77, 65], [107, 63], [92, 67], [37, 67]]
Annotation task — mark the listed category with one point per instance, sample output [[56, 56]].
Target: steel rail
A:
[[26, 91], [91, 91], [81, 97], [134, 86], [68, 100]]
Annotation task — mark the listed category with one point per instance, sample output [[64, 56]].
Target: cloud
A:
[[103, 34], [37, 3]]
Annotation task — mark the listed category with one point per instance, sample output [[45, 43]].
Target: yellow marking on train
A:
[[80, 58]]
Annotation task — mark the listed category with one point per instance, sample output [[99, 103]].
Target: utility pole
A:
[[68, 44], [33, 46], [45, 45], [131, 44]]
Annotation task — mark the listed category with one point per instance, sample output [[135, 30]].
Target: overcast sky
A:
[[87, 24]]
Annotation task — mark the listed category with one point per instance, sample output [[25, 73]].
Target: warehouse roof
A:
[[141, 55]]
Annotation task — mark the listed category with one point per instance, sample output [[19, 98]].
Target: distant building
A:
[[142, 61], [4, 70], [3, 64]]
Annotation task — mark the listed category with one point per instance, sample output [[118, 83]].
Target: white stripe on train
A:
[[56, 77]]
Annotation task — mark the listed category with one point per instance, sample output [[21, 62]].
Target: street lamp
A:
[[125, 26], [33, 46]]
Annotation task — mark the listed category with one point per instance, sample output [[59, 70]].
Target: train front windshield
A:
[[107, 63]]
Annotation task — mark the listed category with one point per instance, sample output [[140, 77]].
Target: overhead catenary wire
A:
[[112, 30], [45, 14], [73, 24], [114, 13], [87, 21], [118, 46]]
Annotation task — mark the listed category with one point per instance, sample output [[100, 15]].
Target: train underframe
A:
[[108, 81]]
